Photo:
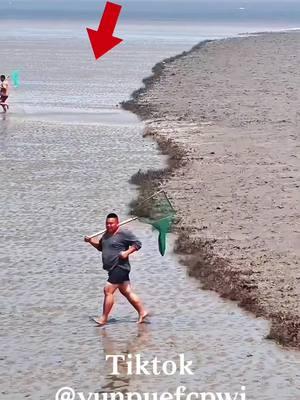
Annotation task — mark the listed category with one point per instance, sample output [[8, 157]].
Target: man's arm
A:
[[132, 240], [133, 243], [126, 254], [97, 243]]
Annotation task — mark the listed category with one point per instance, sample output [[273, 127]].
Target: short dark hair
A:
[[112, 215], [3, 76]]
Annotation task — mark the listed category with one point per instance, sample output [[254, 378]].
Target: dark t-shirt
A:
[[112, 245]]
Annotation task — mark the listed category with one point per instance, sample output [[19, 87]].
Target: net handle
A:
[[120, 224], [133, 218], [150, 197], [168, 200]]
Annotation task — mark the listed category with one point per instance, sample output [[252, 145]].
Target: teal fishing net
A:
[[158, 212], [15, 78]]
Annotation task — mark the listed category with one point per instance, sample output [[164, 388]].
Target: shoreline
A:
[[197, 247]]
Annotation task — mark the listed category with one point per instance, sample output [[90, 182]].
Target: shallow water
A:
[[103, 117], [58, 181]]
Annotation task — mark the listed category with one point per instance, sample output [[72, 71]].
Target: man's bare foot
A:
[[100, 321], [142, 317]]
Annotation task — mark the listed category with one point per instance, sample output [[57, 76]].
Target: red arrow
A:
[[103, 40]]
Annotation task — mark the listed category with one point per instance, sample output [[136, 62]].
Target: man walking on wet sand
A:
[[116, 245]]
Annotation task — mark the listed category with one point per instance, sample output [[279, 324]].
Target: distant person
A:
[[4, 92], [116, 245]]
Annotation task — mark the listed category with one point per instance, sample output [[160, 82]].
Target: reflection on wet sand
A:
[[4, 124], [120, 383]]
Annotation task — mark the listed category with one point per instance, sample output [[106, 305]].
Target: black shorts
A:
[[118, 275]]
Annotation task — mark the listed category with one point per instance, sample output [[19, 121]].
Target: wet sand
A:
[[227, 113]]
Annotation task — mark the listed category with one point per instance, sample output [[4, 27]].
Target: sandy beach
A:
[[227, 113]]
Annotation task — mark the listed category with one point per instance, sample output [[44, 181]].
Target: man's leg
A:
[[3, 103], [108, 302], [134, 300]]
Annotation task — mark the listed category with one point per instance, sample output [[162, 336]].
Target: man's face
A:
[[112, 225], [2, 79]]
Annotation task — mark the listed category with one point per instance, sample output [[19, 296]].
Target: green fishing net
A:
[[15, 78], [158, 212], [163, 226]]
